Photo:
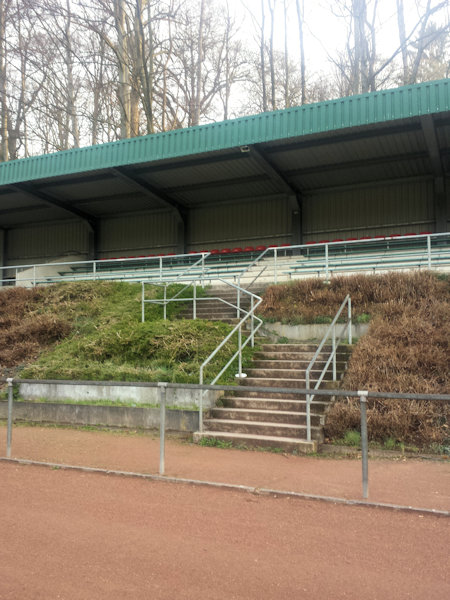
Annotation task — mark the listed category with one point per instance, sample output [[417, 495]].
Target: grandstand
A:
[[361, 180]]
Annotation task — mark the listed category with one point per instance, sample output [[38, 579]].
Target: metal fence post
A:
[[334, 353], [143, 302], [34, 275], [252, 322], [308, 408], [165, 302], [240, 349], [94, 270], [200, 403], [162, 387], [238, 298], [429, 250], [275, 253], [194, 309], [10, 412], [364, 444], [326, 262], [350, 334]]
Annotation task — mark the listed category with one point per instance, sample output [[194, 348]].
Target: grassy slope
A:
[[406, 349], [93, 331]]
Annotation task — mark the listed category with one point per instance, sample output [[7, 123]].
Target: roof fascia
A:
[[324, 117]]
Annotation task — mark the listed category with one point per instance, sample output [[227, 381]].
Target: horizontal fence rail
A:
[[363, 396]]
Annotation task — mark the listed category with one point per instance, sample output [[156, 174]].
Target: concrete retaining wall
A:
[[181, 398], [312, 332], [108, 416]]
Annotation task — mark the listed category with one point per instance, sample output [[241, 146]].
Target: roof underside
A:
[[388, 135]]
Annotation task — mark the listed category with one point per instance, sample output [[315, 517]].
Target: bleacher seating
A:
[[366, 253]]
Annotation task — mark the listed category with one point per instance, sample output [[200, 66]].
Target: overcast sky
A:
[[325, 31]]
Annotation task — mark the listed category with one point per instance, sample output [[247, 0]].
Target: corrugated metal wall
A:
[[2, 242], [149, 233], [253, 222], [39, 243], [369, 210]]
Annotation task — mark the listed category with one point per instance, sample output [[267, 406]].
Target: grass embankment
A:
[[405, 350], [93, 331]]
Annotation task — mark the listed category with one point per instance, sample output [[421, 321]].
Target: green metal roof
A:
[[333, 115]]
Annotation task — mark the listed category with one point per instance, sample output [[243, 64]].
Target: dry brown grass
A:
[[406, 349], [308, 298], [24, 331]]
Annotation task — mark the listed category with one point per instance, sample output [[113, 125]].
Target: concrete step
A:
[[264, 416], [260, 441], [287, 374], [269, 403], [296, 356], [281, 383], [209, 315], [279, 395], [294, 364], [294, 348], [257, 428]]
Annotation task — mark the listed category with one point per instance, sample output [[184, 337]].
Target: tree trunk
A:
[[124, 89], [271, 56], [71, 109], [300, 18], [4, 155], [198, 90]]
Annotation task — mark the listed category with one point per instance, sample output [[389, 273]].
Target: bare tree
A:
[[300, 5], [423, 35], [4, 154]]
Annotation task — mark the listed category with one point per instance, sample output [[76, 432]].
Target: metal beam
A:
[[12, 211], [327, 140], [88, 220], [440, 200], [192, 187], [102, 176], [431, 141], [149, 190], [188, 164], [269, 169], [293, 194], [52, 201], [355, 164], [180, 212]]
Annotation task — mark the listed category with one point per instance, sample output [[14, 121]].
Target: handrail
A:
[[250, 314], [238, 354], [327, 245], [331, 330]]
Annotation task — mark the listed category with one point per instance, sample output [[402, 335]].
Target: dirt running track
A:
[[72, 535], [424, 484]]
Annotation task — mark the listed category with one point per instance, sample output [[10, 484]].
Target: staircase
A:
[[268, 419], [215, 310], [274, 419]]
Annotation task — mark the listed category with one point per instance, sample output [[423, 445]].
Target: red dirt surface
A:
[[78, 536], [424, 484]]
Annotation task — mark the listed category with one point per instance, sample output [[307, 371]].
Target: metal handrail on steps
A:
[[331, 332], [248, 317]]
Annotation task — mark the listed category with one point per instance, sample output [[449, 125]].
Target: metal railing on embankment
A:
[[163, 386]]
